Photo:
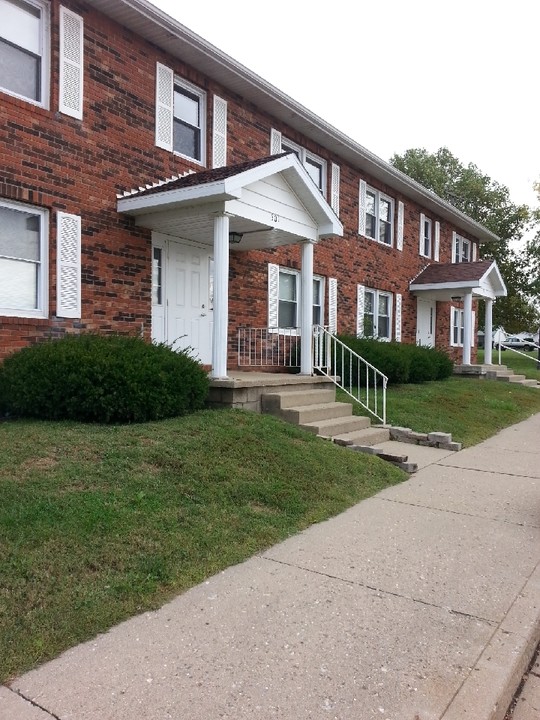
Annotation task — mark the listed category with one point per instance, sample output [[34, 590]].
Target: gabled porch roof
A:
[[270, 202], [444, 281]]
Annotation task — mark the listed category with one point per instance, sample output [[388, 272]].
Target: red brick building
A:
[[151, 184]]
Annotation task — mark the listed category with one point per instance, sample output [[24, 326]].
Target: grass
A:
[[471, 409], [98, 523]]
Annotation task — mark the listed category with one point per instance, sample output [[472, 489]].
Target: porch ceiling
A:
[[270, 202]]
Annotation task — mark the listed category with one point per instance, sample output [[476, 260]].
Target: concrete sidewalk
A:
[[421, 603]]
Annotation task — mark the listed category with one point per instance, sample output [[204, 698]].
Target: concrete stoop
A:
[[318, 412], [495, 372]]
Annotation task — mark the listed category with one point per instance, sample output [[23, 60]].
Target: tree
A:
[[488, 202]]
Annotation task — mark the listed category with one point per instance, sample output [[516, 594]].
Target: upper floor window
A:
[[24, 49], [315, 166], [189, 120], [376, 214], [23, 260], [426, 240], [377, 314], [462, 251]]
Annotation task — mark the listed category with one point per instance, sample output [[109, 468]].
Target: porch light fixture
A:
[[456, 298], [235, 237]]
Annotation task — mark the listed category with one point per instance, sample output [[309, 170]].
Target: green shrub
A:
[[108, 379], [400, 362]]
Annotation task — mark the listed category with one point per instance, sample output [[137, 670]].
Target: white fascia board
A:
[[207, 192], [444, 286], [494, 270]]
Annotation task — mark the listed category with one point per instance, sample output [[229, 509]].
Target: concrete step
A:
[[517, 378], [510, 377], [529, 382], [365, 436], [314, 413], [296, 398], [337, 426]]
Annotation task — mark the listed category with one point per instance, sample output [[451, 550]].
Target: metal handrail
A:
[[500, 345], [357, 377]]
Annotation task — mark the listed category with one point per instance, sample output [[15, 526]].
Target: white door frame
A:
[[426, 322]]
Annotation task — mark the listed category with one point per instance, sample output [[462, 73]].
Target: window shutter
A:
[[400, 225], [362, 208], [360, 311], [68, 266], [219, 132], [474, 252], [398, 317], [473, 329], [332, 305], [437, 249], [273, 295], [164, 106], [335, 188], [454, 247], [70, 99], [275, 142], [421, 235]]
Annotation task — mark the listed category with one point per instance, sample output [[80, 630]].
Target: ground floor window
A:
[[377, 314], [288, 293], [457, 327], [23, 260]]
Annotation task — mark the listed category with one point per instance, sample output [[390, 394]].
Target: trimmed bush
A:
[[101, 378], [400, 362]]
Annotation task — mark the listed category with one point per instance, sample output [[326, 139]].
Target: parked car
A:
[[517, 343]]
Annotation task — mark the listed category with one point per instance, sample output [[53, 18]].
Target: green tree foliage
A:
[[488, 202]]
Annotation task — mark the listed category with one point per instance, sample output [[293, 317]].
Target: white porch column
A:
[[467, 328], [306, 314], [488, 331], [221, 297]]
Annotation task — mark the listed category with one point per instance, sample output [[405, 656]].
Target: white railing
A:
[[268, 347], [361, 380], [501, 345]]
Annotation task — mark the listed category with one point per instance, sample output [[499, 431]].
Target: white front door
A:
[[182, 312], [426, 314]]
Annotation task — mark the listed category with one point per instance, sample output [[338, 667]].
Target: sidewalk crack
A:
[[33, 703]]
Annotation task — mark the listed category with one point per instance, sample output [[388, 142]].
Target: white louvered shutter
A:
[[332, 305], [360, 311], [275, 142], [70, 96], [273, 295], [473, 330], [474, 252], [334, 201], [454, 234], [68, 266], [164, 106], [398, 317], [400, 225], [421, 238], [219, 140], [362, 207], [437, 249]]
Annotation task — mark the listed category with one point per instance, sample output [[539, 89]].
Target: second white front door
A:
[[426, 314], [182, 310]]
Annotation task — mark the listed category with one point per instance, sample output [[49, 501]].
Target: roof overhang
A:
[[157, 27], [489, 285], [275, 203]]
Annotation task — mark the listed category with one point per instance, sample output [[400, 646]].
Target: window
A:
[[315, 166], [189, 121], [425, 236], [289, 299], [462, 249], [24, 49], [157, 276], [457, 327], [377, 314], [23, 260], [379, 212]]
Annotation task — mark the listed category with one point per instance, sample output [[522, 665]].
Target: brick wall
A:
[[59, 163]]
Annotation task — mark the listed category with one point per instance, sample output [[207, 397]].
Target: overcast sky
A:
[[400, 73]]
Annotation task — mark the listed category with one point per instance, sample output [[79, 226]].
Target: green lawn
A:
[[98, 523]]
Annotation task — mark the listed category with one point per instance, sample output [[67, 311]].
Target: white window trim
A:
[[425, 221], [379, 195], [298, 275], [42, 310], [456, 321], [377, 294], [45, 58], [201, 94], [456, 256], [304, 155]]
